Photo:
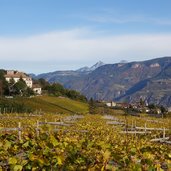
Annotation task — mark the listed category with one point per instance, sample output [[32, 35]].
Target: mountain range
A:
[[64, 77], [124, 81]]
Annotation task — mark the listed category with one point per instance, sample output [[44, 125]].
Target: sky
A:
[[38, 36]]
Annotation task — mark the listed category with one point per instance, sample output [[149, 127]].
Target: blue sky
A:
[[47, 35]]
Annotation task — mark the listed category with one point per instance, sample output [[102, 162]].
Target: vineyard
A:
[[84, 142]]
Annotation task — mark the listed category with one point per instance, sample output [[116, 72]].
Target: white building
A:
[[15, 75], [169, 109], [37, 89], [111, 104]]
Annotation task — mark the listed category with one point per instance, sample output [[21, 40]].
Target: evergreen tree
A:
[[92, 106], [20, 87]]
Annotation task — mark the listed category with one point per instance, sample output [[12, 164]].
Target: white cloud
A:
[[80, 47]]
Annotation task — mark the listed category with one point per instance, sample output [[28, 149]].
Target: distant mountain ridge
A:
[[68, 75], [92, 68], [128, 82]]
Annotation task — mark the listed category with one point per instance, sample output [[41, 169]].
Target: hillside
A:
[[51, 104], [125, 81], [156, 89]]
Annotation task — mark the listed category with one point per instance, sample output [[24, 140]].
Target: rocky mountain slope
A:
[[149, 79], [155, 90]]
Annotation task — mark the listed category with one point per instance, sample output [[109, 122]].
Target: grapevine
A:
[[89, 143]]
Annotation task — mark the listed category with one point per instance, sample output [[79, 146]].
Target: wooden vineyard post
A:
[[132, 127], [135, 128], [126, 125], [145, 126], [135, 124], [19, 130], [55, 122], [37, 129], [164, 133]]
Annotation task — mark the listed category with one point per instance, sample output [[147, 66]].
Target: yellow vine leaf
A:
[[59, 160], [106, 155], [18, 168], [12, 160]]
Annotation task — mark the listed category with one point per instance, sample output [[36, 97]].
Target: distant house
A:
[[169, 109], [158, 111], [123, 105], [37, 89], [16, 75], [111, 104]]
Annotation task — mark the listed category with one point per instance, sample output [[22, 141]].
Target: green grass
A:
[[50, 104]]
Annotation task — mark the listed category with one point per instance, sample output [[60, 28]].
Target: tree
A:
[[163, 110], [1, 87], [55, 89], [142, 102], [29, 92], [92, 106], [11, 86], [152, 106], [42, 82], [3, 84], [75, 95], [20, 87]]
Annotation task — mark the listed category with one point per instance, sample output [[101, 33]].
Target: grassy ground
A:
[[50, 104]]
